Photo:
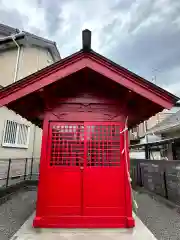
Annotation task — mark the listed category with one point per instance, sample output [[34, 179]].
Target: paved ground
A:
[[164, 222], [15, 211], [28, 233]]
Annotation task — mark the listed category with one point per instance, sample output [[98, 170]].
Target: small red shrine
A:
[[84, 103]]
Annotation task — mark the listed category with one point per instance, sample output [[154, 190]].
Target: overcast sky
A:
[[141, 35]]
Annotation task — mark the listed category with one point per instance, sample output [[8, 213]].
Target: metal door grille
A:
[[103, 145], [67, 145]]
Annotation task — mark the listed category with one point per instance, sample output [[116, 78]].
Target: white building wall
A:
[[31, 60], [33, 149]]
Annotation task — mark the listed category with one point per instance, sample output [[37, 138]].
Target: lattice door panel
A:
[[103, 145], [67, 145]]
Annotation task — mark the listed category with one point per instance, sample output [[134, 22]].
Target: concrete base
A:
[[27, 232]]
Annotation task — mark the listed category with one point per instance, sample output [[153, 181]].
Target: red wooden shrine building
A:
[[83, 103]]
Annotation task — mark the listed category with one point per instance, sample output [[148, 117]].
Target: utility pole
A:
[[146, 139], [154, 79], [145, 130]]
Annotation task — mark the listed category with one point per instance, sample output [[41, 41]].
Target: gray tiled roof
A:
[[7, 30]]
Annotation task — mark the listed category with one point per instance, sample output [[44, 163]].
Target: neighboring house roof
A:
[[7, 30], [24, 37], [169, 123]]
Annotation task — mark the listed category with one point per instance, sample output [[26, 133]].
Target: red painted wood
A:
[[83, 222], [103, 196], [83, 178], [64, 192], [128, 83], [78, 192], [93, 199], [86, 106], [95, 63]]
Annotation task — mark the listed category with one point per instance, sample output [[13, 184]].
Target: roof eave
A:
[[174, 98], [165, 103], [45, 43]]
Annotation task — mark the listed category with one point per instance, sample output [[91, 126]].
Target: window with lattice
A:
[[103, 145], [67, 145], [85, 145], [16, 135]]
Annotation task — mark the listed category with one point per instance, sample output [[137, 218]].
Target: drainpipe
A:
[[17, 59], [146, 138]]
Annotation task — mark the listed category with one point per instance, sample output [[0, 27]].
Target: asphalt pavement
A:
[[15, 211], [162, 221]]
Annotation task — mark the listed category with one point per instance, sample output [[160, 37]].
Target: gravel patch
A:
[[161, 220], [15, 211]]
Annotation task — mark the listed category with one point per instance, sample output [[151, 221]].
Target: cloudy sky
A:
[[141, 35]]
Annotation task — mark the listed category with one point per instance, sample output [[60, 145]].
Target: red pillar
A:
[[42, 171]]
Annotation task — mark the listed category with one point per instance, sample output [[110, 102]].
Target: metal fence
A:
[[159, 176], [13, 171]]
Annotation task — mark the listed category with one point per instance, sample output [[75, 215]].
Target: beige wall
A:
[[9, 152], [37, 141], [7, 66], [31, 59], [151, 122]]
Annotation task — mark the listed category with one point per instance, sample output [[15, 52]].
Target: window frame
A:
[[16, 145]]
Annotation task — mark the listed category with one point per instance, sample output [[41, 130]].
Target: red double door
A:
[[85, 175]]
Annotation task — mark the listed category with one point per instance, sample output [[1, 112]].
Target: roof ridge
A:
[[9, 28]]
